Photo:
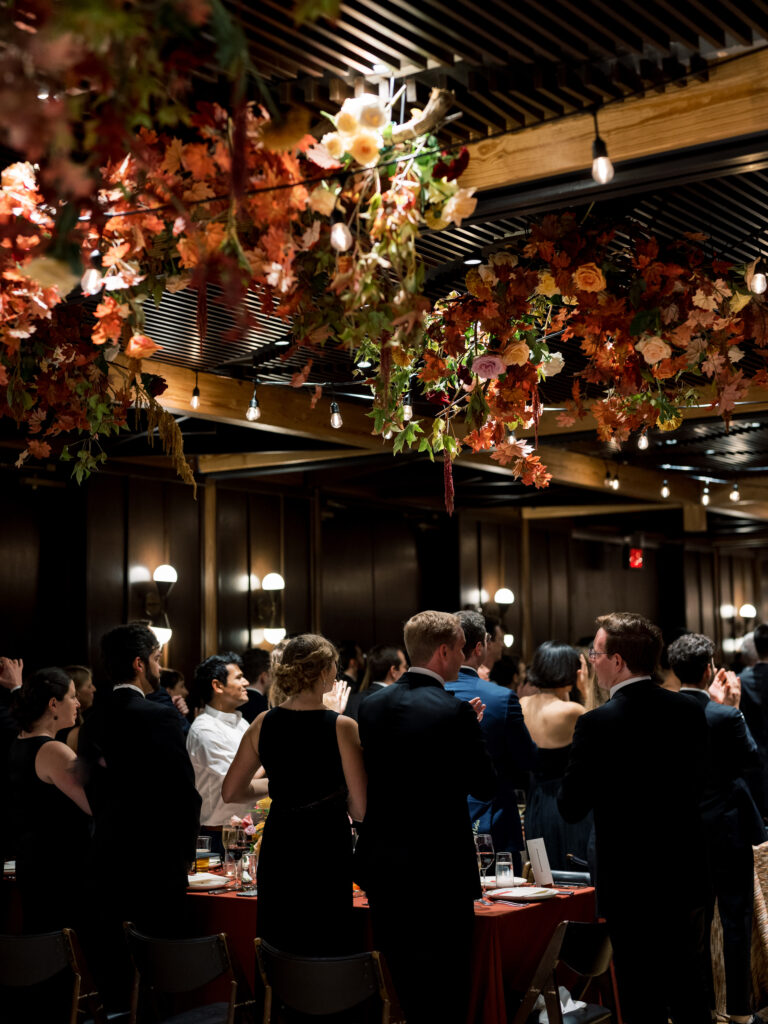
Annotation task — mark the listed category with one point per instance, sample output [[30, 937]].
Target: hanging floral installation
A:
[[137, 192]]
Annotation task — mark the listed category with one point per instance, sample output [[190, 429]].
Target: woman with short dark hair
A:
[[551, 717], [50, 813]]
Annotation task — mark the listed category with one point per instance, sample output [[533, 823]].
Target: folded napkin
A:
[[567, 1005]]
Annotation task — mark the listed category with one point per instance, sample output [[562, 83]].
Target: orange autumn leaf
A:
[[172, 159], [115, 254], [39, 449], [141, 347], [198, 161]]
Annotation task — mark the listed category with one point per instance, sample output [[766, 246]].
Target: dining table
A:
[[509, 940]]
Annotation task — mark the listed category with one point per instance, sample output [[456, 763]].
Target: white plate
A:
[[9, 867], [527, 892], [491, 881], [203, 880]]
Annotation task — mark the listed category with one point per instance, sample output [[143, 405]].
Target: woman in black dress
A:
[[550, 716], [49, 809], [314, 762]]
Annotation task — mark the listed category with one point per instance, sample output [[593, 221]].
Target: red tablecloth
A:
[[508, 944]]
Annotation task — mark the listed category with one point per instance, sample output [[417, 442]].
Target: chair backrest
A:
[[320, 985], [27, 960], [176, 966], [585, 948]]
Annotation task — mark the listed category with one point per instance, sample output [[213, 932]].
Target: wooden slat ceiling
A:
[[511, 65]]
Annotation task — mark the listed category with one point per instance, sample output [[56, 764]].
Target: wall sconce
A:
[[748, 611], [268, 608], [155, 600], [504, 598]]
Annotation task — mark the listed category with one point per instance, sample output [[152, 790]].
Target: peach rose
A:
[[653, 349], [346, 121], [373, 115], [588, 278], [516, 354]]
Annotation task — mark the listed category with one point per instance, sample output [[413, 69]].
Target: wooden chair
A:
[[320, 985], [28, 961], [586, 950], [177, 967]]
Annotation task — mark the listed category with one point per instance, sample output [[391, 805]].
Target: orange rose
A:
[[141, 347], [588, 278]]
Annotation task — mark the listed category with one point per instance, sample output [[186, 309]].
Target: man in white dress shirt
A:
[[220, 687]]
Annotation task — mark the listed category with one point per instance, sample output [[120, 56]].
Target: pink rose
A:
[[488, 366], [250, 830]]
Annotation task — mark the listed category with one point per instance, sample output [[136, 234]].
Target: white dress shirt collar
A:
[[626, 682], [227, 717], [428, 672]]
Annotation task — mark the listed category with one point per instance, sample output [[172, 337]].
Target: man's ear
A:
[[217, 685], [138, 665], [480, 649]]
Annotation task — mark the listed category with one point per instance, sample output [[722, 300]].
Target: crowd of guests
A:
[[412, 747]]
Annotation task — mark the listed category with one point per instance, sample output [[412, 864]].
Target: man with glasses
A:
[[639, 763]]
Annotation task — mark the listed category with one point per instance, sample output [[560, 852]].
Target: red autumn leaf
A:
[[316, 396], [198, 161], [39, 449], [302, 377]]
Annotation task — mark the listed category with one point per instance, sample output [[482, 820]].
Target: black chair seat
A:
[[214, 1013]]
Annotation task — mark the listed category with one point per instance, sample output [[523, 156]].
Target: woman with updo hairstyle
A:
[[550, 716], [314, 762], [50, 815]]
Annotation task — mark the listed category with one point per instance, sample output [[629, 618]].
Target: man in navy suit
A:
[[508, 740], [640, 762], [731, 820], [424, 753]]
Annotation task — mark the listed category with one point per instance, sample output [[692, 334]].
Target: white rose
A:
[[553, 365], [373, 115], [459, 206]]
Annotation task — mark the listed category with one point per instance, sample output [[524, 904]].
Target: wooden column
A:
[[527, 591], [210, 581]]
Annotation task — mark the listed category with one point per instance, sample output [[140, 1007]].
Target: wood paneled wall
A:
[[76, 561]]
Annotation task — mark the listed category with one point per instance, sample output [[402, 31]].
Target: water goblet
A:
[[485, 857]]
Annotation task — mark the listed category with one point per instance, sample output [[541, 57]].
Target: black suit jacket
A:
[[424, 754], [754, 706], [641, 762], [727, 809], [141, 782], [257, 703]]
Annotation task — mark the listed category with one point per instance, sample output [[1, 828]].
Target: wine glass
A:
[[236, 841], [485, 857]]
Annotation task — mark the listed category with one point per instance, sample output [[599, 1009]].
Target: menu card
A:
[[537, 855]]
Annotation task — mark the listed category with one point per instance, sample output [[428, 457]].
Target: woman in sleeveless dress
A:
[[314, 762], [50, 814], [551, 717]]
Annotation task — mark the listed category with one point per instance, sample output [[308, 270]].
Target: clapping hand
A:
[[180, 704], [726, 688], [478, 707], [10, 672], [336, 699]]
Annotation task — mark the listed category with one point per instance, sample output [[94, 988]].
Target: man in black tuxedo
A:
[[142, 792], [731, 821], [424, 753], [384, 664], [505, 733], [640, 763], [257, 671]]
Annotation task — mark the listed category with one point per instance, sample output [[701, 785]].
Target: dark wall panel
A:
[[232, 564]]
